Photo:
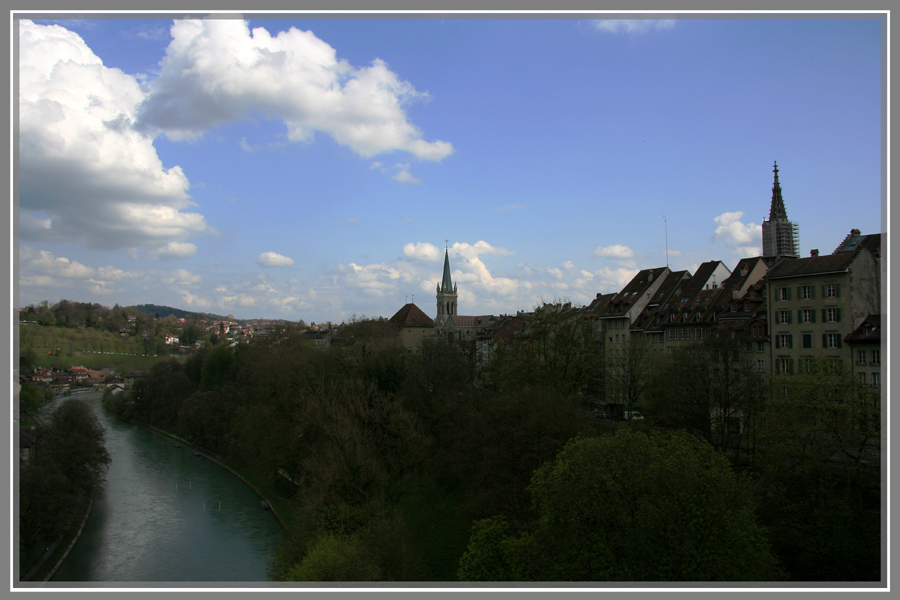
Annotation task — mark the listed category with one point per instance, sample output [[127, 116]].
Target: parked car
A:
[[633, 415]]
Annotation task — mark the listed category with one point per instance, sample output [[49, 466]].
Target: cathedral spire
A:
[[777, 211], [780, 236]]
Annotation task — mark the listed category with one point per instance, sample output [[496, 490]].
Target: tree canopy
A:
[[629, 507]]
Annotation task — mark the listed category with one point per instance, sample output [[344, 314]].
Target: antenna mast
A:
[[666, 224]]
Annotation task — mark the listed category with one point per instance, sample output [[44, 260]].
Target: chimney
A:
[[813, 252]]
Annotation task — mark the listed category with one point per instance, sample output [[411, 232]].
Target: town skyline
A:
[[316, 169]]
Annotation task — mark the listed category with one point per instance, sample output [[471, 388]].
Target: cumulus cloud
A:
[[174, 250], [273, 259], [403, 175], [616, 251], [217, 71], [632, 26], [422, 251], [83, 167], [746, 239]]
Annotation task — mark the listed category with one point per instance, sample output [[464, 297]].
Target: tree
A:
[[555, 348], [629, 372], [68, 466], [712, 389], [630, 507], [818, 465]]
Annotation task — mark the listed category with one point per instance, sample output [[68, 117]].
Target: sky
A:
[[302, 167]]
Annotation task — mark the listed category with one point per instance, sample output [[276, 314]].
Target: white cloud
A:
[[174, 250], [216, 71], [616, 251], [422, 251], [632, 26], [273, 259], [403, 175], [507, 207], [746, 240], [81, 162]]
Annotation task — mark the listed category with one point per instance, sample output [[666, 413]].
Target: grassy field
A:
[[63, 348]]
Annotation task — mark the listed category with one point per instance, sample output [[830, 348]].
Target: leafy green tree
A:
[[630, 507], [818, 467], [555, 348], [68, 466], [335, 558], [711, 388], [630, 371]]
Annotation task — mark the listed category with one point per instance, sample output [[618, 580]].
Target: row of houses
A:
[[79, 376], [783, 310]]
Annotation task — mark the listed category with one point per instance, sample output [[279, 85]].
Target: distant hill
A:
[[165, 311]]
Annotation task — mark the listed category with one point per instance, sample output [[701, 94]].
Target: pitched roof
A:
[[868, 332], [812, 265], [467, 321], [411, 316]]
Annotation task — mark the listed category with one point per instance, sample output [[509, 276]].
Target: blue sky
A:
[[313, 168]]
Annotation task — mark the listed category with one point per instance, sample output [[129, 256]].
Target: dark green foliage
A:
[[819, 476], [68, 466], [630, 507]]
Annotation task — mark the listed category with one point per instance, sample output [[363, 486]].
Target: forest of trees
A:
[[54, 485], [435, 467]]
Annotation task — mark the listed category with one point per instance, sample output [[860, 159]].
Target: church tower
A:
[[781, 238], [446, 294]]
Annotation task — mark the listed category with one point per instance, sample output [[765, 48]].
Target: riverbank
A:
[[58, 550], [201, 453]]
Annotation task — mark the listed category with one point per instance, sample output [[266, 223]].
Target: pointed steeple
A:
[[447, 283], [777, 211], [780, 236]]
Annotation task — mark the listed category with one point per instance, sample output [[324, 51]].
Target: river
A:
[[166, 515]]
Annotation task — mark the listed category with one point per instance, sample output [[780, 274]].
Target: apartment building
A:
[[815, 302]]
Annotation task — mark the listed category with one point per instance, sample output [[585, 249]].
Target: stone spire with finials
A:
[[781, 238], [446, 293]]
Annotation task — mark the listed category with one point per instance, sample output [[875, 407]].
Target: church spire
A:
[[447, 283], [777, 211]]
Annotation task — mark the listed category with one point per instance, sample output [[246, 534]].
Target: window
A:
[[784, 316], [760, 346], [617, 338], [784, 294], [785, 340], [876, 379], [681, 334], [733, 307], [746, 307], [876, 357], [806, 292], [860, 357], [832, 340], [761, 365], [807, 340], [668, 350], [808, 315], [785, 365], [831, 290], [831, 315], [862, 378]]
